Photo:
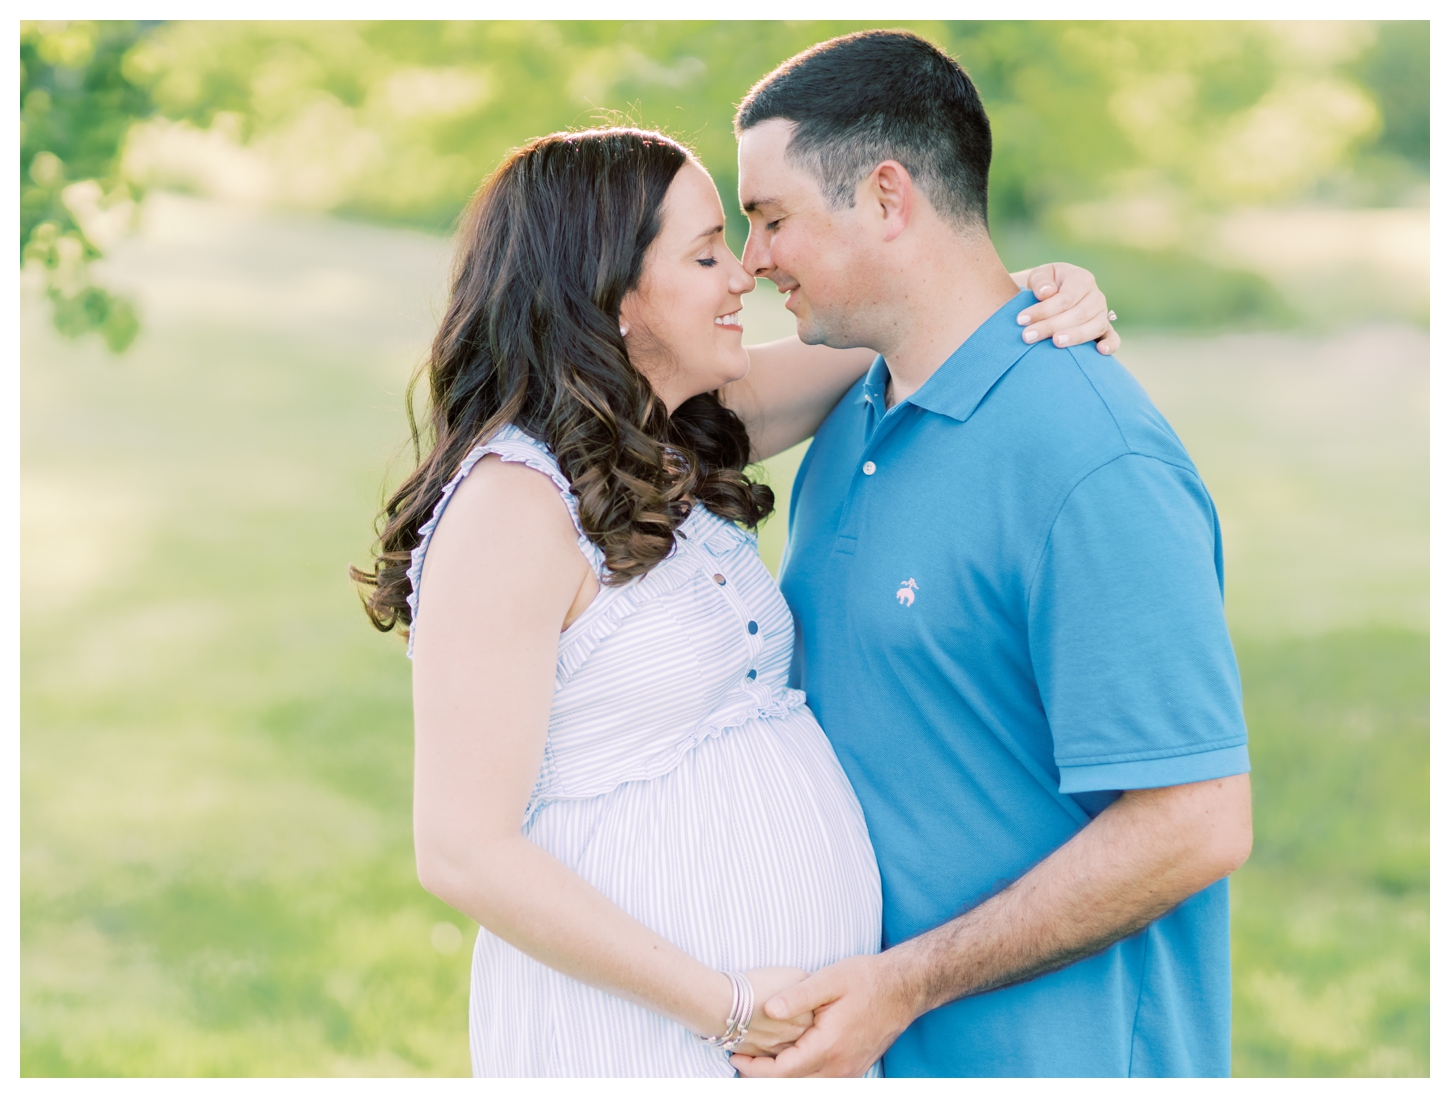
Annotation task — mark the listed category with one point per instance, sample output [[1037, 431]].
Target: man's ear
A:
[[892, 195]]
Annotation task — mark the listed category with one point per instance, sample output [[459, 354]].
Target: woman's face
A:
[[682, 322]]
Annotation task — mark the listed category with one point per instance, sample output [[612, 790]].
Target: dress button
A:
[[869, 468], [752, 629], [718, 578], [750, 674]]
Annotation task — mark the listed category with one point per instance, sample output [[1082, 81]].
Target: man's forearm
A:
[[1142, 856]]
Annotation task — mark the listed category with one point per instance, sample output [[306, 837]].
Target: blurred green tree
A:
[[1117, 143], [1395, 72], [76, 108]]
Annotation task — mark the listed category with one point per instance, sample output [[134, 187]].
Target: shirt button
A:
[[718, 578], [869, 468], [750, 674], [752, 629]]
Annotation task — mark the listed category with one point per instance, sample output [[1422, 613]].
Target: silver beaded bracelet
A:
[[742, 1009]]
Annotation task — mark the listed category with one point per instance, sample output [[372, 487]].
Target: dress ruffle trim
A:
[[510, 444], [755, 702], [613, 604]]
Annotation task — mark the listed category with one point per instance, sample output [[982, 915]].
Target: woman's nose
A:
[[741, 281]]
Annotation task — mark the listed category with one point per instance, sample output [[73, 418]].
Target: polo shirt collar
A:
[[961, 382], [873, 388]]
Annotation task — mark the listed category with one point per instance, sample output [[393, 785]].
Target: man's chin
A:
[[811, 331]]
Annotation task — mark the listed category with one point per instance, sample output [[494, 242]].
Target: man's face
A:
[[816, 255]]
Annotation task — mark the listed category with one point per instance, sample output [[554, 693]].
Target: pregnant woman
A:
[[612, 777]]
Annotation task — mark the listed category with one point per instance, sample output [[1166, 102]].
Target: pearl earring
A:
[[623, 330]]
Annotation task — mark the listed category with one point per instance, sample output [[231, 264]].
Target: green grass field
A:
[[216, 863]]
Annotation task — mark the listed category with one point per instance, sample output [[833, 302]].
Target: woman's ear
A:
[[892, 194], [628, 312]]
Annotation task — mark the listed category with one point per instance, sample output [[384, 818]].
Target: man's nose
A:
[[757, 256]]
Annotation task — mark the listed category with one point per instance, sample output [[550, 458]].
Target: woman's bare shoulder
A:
[[508, 506]]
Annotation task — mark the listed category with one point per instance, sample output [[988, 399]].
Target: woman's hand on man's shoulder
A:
[[1070, 308]]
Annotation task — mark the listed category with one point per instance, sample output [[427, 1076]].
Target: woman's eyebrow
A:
[[712, 232]]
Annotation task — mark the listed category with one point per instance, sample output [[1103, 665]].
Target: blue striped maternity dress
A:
[[685, 781]]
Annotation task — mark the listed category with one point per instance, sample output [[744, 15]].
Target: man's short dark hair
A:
[[881, 95]]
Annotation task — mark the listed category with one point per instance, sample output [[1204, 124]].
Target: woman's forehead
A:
[[691, 199]]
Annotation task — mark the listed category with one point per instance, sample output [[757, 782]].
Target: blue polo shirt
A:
[[1008, 590]]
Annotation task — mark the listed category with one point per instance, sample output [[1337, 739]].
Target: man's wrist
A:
[[904, 984]]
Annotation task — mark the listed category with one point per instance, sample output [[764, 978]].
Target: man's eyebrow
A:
[[755, 204]]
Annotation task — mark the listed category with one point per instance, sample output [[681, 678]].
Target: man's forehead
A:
[[765, 174]]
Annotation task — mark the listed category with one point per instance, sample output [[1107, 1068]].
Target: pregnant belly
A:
[[752, 851]]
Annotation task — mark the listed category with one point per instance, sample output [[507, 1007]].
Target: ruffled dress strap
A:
[[511, 444]]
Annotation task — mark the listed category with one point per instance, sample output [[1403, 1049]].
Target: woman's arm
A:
[[792, 387], [501, 574], [790, 390]]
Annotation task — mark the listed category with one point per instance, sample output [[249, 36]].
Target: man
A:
[[1007, 578]]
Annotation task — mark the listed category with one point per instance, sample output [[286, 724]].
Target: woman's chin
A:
[[739, 366], [727, 368]]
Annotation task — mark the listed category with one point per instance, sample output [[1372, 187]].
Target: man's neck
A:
[[946, 299]]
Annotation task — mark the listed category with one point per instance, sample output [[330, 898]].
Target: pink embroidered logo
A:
[[907, 594]]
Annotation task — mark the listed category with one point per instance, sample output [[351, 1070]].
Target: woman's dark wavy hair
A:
[[549, 247]]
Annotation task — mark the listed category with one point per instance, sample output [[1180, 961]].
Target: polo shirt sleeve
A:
[[1127, 633]]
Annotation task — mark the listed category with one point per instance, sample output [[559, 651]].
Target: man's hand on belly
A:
[[1141, 857]]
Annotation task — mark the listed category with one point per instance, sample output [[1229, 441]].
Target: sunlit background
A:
[[235, 247]]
